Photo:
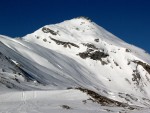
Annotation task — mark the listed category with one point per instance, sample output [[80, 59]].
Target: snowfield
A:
[[75, 66]]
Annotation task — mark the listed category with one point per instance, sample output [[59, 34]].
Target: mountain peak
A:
[[77, 54], [78, 31], [84, 18]]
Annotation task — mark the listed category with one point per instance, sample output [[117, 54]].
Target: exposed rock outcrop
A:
[[47, 30], [65, 44], [104, 101], [95, 55], [144, 65]]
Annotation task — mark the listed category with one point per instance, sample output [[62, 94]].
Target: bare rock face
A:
[[90, 45], [65, 44], [96, 40], [104, 101], [136, 74], [47, 30], [144, 65], [95, 55]]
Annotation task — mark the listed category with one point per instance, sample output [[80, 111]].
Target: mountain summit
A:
[[76, 66]]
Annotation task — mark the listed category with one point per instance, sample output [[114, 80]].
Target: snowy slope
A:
[[74, 54]]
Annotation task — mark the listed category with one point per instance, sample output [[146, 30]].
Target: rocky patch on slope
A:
[[144, 65], [90, 46], [104, 101], [65, 44], [95, 55], [48, 30]]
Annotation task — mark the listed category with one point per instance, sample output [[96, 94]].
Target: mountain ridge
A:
[[78, 54]]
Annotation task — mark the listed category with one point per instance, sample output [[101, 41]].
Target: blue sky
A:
[[127, 19]]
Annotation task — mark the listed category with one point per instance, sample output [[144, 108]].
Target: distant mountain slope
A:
[[80, 55]]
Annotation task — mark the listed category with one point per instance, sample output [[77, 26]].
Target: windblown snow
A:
[[75, 66]]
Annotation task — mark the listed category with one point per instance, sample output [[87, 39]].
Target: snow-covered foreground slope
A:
[[58, 101], [76, 59]]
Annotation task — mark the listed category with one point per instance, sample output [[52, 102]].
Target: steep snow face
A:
[[98, 51], [10, 75], [79, 53], [81, 30]]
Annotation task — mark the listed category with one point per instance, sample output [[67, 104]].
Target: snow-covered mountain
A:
[[74, 66]]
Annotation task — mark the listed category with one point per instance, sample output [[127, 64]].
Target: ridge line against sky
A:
[[127, 19]]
